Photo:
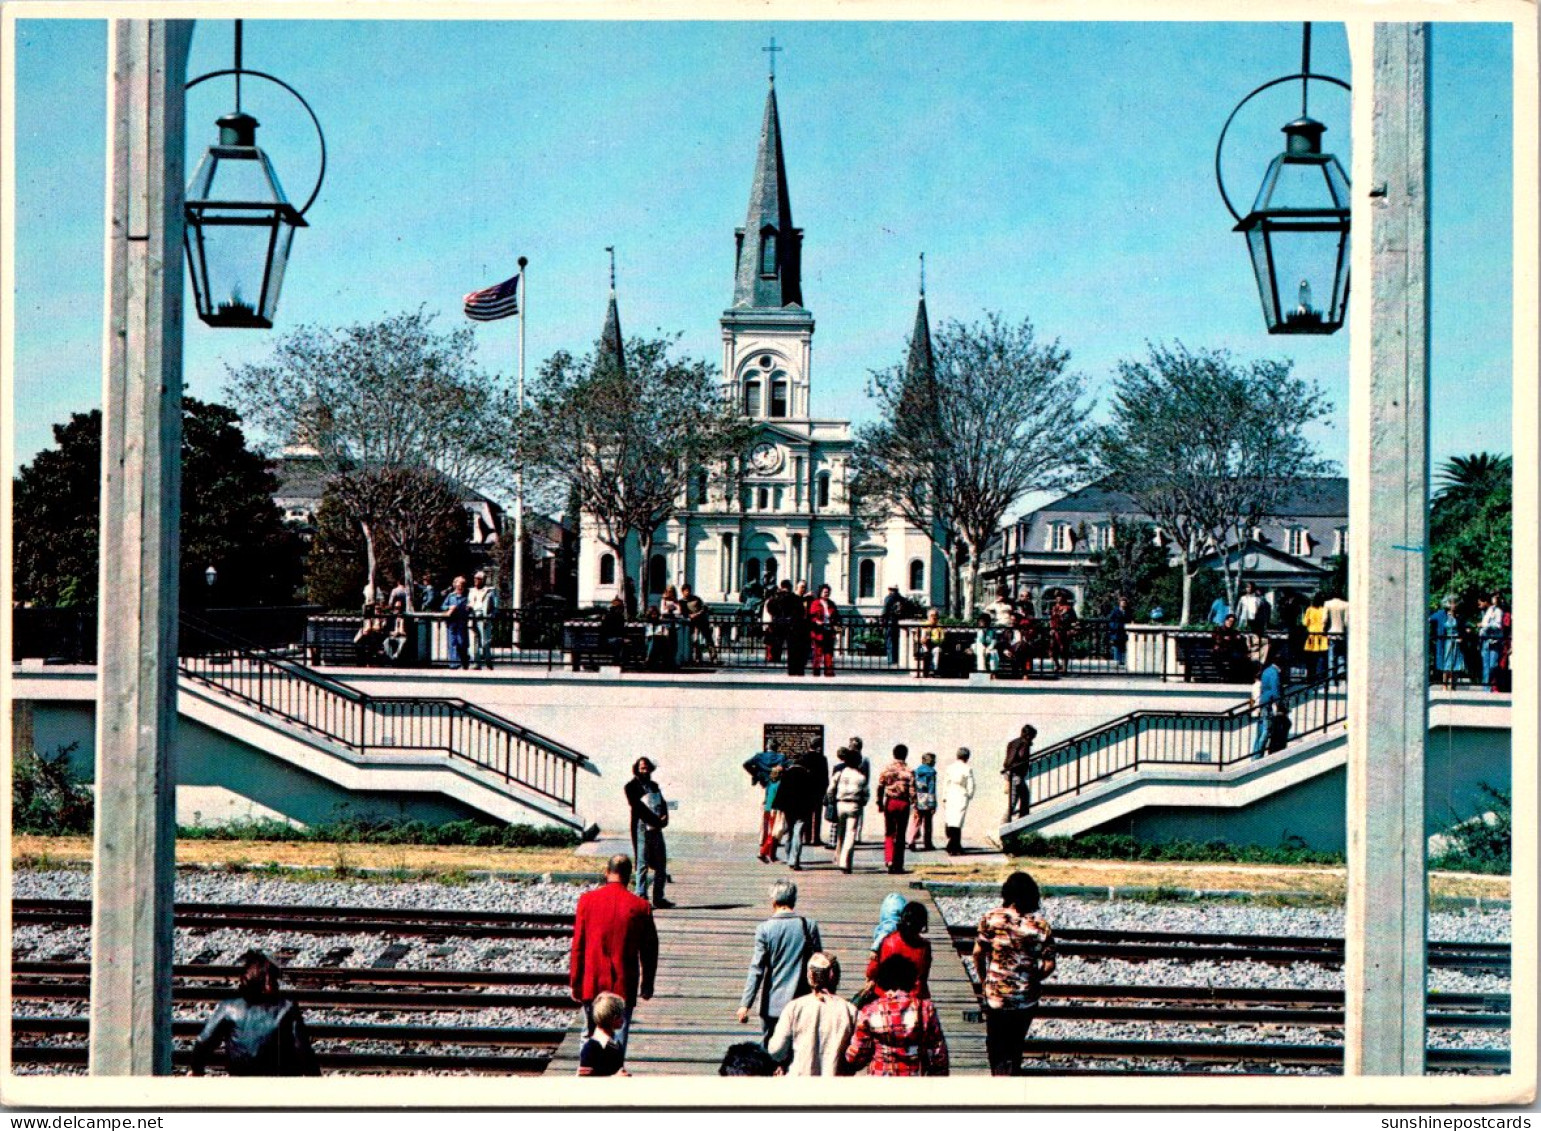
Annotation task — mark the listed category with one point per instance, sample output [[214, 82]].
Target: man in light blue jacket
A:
[[1268, 689], [782, 946]]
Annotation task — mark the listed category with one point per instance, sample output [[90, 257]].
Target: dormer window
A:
[[1298, 541], [778, 395], [768, 253]]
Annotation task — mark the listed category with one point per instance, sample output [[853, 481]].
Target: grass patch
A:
[[356, 830], [1481, 843], [1109, 846]]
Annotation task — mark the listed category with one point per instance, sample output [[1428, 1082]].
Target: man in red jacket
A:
[[615, 947]]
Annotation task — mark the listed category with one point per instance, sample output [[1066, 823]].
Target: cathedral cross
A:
[[772, 50]]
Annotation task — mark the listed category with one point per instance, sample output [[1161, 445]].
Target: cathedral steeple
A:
[[612, 350], [769, 263], [919, 400]]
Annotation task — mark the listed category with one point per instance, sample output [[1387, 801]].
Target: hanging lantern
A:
[[239, 223], [1297, 230], [239, 229]]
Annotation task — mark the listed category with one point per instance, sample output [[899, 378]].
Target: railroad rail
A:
[[1106, 944], [1195, 946]]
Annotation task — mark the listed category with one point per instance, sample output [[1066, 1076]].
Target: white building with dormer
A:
[[788, 515]]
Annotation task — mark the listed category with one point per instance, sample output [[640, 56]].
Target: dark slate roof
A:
[[305, 477], [1326, 496], [611, 347], [770, 206]]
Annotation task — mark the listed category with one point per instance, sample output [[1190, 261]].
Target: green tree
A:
[[229, 520], [1003, 416], [1134, 565], [1471, 528], [421, 528], [1209, 447], [623, 430], [381, 397]]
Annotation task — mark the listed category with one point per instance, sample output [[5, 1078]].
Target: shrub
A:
[[48, 796], [1118, 846], [363, 830], [1479, 843]]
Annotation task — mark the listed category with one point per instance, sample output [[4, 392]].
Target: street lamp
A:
[[211, 575], [239, 222], [1297, 231]]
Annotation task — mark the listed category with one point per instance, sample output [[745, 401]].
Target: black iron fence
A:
[[1190, 740], [552, 637]]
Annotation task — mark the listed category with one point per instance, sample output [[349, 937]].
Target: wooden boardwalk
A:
[[705, 943]]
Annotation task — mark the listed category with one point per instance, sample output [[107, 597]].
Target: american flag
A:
[[494, 302]]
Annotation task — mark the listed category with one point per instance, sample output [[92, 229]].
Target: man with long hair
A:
[[262, 1032]]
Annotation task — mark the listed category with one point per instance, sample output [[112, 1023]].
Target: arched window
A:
[[917, 576], [701, 487], [764, 499], [657, 574], [751, 571], [751, 398], [866, 579], [778, 397], [768, 252], [607, 569], [823, 490]]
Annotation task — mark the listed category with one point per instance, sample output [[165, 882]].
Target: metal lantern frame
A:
[[276, 214], [1265, 223]]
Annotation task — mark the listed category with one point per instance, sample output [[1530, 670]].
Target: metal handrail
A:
[[282, 686], [1192, 738]]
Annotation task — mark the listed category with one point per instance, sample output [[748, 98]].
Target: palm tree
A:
[[1470, 479]]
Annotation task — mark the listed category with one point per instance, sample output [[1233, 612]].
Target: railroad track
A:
[[1188, 946], [438, 924], [443, 1048]]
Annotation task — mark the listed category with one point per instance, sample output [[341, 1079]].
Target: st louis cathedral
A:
[[791, 516]]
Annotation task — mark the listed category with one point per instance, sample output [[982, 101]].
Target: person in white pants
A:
[[957, 792], [848, 786]]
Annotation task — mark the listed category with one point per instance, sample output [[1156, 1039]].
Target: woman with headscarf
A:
[[888, 918], [262, 1031], [909, 939], [1446, 626]]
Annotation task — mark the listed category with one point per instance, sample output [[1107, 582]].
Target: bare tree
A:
[[1004, 417], [1209, 447], [381, 397], [625, 432]]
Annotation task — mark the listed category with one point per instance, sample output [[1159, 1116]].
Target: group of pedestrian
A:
[[468, 610], [801, 626], [1017, 636], [1488, 635], [888, 1028], [800, 789]]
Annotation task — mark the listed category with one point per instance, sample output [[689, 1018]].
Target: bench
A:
[[589, 649]]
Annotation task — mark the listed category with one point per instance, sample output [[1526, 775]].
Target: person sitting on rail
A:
[[263, 1033]]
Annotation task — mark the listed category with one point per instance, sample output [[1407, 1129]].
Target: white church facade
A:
[[787, 514]]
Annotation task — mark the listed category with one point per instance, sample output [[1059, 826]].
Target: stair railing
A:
[[1202, 740], [280, 686]]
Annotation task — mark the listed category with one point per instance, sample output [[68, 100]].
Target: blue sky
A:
[[1062, 171]]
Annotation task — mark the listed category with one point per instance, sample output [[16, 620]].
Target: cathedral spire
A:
[[769, 272], [919, 399], [612, 350]]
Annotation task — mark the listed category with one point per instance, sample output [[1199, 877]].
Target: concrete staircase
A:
[[1170, 759], [358, 741]]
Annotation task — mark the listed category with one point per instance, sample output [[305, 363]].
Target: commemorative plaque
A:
[[794, 739]]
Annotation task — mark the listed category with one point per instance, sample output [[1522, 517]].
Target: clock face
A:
[[765, 457]]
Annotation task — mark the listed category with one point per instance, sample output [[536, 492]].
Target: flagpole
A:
[[518, 594]]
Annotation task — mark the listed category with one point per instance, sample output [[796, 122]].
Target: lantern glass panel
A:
[[1305, 270], [239, 231]]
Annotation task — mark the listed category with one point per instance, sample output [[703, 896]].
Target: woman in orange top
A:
[[910, 941]]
